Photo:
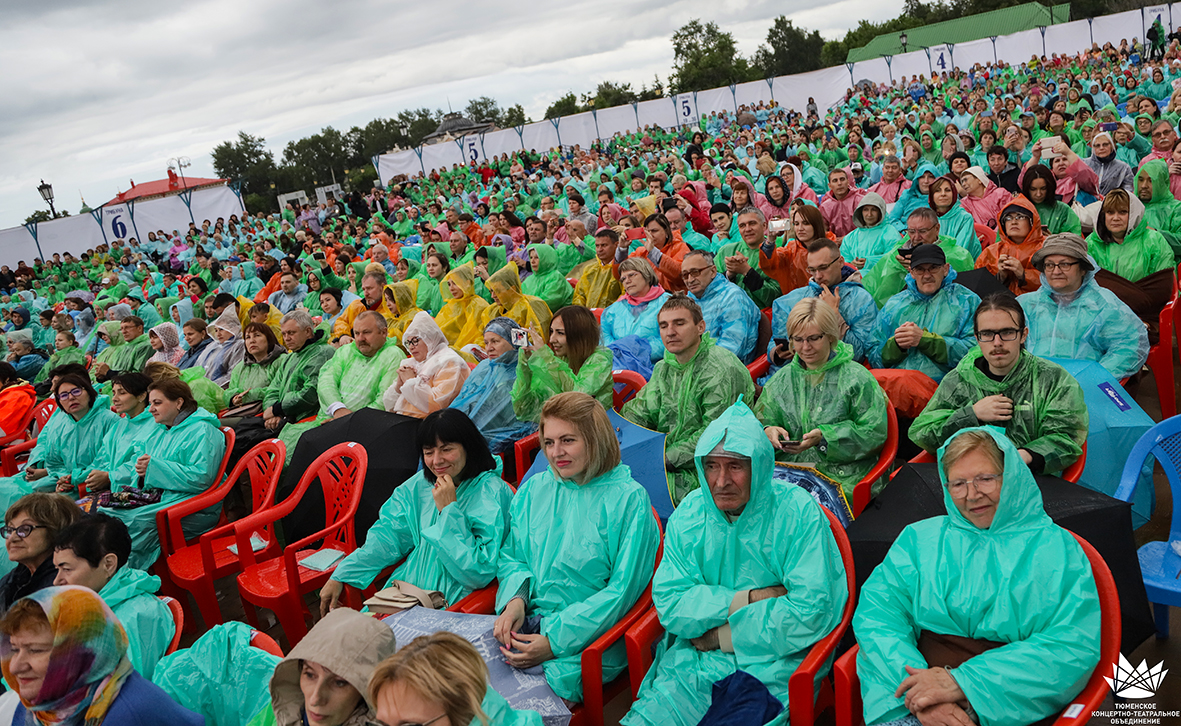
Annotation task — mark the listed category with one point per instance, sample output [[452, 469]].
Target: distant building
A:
[[455, 126], [164, 187]]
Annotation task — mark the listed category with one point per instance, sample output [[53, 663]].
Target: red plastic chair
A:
[[265, 643], [986, 235], [598, 314], [805, 702], [759, 368], [178, 617], [1071, 473], [194, 568], [36, 419], [280, 583], [864, 488], [168, 520], [848, 687], [631, 381]]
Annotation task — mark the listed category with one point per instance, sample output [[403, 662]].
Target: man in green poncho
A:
[[995, 571], [1162, 211], [355, 376], [888, 276], [751, 578], [1038, 404], [130, 357], [692, 386]]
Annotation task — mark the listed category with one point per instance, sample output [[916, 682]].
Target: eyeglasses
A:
[[406, 723], [1012, 216], [919, 232], [22, 531], [411, 342], [821, 268], [987, 336], [690, 274], [67, 395], [1064, 266], [985, 484], [810, 340]]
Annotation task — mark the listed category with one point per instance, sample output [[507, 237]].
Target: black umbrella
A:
[[388, 438], [916, 493], [980, 281]]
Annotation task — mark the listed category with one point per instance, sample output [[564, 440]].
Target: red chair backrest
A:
[[225, 457], [985, 234], [41, 413], [864, 489], [631, 381], [598, 314], [1074, 472], [1110, 633], [178, 617], [264, 465], [341, 471], [265, 643]]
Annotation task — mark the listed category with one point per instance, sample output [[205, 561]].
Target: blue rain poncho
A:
[[1092, 324], [486, 398], [731, 317], [911, 198], [622, 319], [581, 556], [857, 308], [958, 224], [710, 564], [453, 551], [1024, 582], [946, 318], [865, 242]]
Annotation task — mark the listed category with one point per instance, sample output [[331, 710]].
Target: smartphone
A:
[[520, 338], [1048, 146], [634, 234], [777, 225], [318, 256], [1109, 126], [781, 342]]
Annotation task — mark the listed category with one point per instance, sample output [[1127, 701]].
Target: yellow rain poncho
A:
[[460, 317]]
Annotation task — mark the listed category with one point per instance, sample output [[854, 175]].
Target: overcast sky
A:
[[97, 93]]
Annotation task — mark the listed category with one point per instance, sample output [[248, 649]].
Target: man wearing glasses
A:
[[1163, 137], [1071, 316], [887, 277], [731, 317]]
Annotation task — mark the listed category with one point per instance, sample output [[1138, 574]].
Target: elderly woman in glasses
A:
[[30, 527], [1037, 403], [988, 614]]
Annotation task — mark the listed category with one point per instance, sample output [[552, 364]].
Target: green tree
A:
[[377, 137], [417, 123], [513, 116], [788, 50], [484, 109], [705, 57], [41, 215], [316, 160], [247, 160], [610, 94], [565, 106]]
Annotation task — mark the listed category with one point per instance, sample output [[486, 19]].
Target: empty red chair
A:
[[194, 567], [280, 583]]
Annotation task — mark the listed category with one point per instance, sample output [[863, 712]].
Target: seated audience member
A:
[[928, 326], [731, 318], [30, 526], [599, 285], [129, 400], [635, 313], [1071, 316], [872, 235], [739, 260], [201, 346], [431, 377], [547, 281], [179, 457], [401, 300], [487, 394], [22, 356], [440, 679], [888, 277], [324, 680], [1001, 171], [92, 552], [291, 293], [128, 356], [1007, 627], [580, 550], [787, 265], [1162, 211], [1019, 236], [16, 398], [504, 286], [231, 349], [1039, 186], [573, 361], [838, 204], [372, 284], [1070, 173], [1136, 263], [65, 653], [1113, 173], [823, 408], [692, 386], [723, 619], [1037, 403], [954, 220], [459, 319], [917, 196], [445, 524], [893, 181], [983, 199], [665, 250], [165, 344], [65, 351], [249, 378]]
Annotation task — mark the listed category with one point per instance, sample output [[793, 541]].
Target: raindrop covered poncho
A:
[[1024, 582], [487, 395], [542, 375], [404, 295], [947, 319], [460, 317], [711, 563], [623, 318], [888, 276], [436, 380], [547, 281], [866, 242], [731, 317]]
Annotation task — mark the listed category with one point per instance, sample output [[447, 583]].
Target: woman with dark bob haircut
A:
[[448, 520]]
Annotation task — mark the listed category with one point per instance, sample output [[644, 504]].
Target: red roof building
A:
[[164, 187]]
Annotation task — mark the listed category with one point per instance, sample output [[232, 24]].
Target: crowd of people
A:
[[785, 282]]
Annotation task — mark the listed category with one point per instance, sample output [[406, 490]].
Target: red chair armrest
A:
[[254, 522], [480, 602], [592, 656], [291, 549], [639, 641], [521, 451], [847, 690], [168, 520], [9, 453], [759, 368]]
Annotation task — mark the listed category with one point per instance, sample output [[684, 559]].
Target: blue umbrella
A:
[[643, 451], [1116, 423]]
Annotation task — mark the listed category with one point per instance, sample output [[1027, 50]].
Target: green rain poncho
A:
[[209, 395], [251, 377], [866, 242], [888, 276], [946, 319], [1162, 212], [131, 595], [454, 551], [1092, 324], [1024, 582], [1143, 252], [682, 399], [710, 564], [768, 289], [73, 354], [184, 460], [842, 399], [541, 375], [292, 391], [581, 556], [1049, 413], [547, 281], [125, 357]]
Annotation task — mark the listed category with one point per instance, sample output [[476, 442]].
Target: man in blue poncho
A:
[[731, 317], [751, 578]]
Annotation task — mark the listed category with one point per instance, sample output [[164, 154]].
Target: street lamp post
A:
[[902, 40], [180, 163], [47, 194]]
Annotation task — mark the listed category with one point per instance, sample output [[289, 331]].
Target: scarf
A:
[[88, 665], [653, 292]]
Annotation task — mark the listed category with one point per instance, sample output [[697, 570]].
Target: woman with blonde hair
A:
[[581, 548], [440, 680]]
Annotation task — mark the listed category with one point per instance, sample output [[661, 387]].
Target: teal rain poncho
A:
[[548, 281], [710, 564], [583, 555], [682, 399], [1024, 582], [622, 319], [184, 460], [1092, 324], [131, 595], [487, 399], [731, 317], [865, 242], [453, 551], [1163, 211], [1049, 413], [843, 400], [542, 375], [947, 319], [911, 198]]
